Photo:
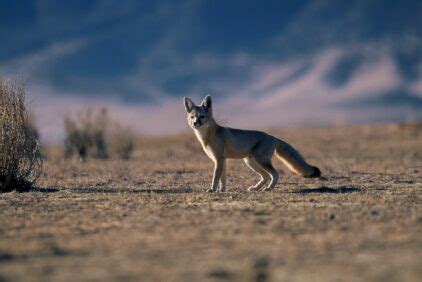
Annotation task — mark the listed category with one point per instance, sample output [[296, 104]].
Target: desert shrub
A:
[[20, 156], [96, 135], [86, 135], [76, 141]]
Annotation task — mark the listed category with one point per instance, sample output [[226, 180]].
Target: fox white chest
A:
[[206, 147]]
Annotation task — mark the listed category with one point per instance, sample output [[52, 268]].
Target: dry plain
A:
[[149, 219]]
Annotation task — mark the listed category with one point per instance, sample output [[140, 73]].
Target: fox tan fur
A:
[[256, 148]]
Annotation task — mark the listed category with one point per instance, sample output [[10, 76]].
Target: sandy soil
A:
[[149, 219]]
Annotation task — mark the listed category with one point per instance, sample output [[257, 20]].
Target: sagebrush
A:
[[20, 156], [96, 135]]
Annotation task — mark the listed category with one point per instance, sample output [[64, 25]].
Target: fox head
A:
[[199, 116]]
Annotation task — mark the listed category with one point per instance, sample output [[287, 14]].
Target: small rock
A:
[[220, 274]]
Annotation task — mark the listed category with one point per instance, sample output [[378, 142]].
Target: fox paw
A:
[[253, 188], [267, 189], [211, 190], [223, 190]]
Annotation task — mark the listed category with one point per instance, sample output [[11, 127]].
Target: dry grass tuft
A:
[[121, 142], [96, 135], [20, 157]]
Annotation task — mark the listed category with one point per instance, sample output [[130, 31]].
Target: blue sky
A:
[[354, 61]]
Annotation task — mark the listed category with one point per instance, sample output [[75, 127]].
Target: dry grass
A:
[[20, 158], [121, 142], [148, 219]]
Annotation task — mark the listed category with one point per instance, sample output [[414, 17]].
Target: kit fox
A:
[[255, 147]]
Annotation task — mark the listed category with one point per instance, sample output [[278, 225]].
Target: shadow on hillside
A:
[[328, 190], [134, 191]]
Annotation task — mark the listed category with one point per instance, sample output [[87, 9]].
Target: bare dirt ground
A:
[[149, 219]]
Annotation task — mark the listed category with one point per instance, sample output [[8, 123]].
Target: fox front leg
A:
[[223, 178], [218, 171]]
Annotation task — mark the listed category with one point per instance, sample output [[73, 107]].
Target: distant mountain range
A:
[[304, 62]]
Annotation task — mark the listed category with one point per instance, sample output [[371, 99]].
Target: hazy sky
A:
[[266, 63]]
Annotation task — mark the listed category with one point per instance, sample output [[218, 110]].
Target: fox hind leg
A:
[[273, 175], [265, 163], [255, 166]]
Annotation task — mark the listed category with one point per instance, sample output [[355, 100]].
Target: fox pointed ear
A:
[[189, 105], [207, 103]]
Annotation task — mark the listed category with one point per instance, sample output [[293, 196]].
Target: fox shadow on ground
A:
[[328, 190], [93, 190]]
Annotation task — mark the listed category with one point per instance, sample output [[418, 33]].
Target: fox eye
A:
[[201, 116]]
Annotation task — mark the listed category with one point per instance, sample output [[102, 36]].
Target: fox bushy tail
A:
[[294, 161]]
